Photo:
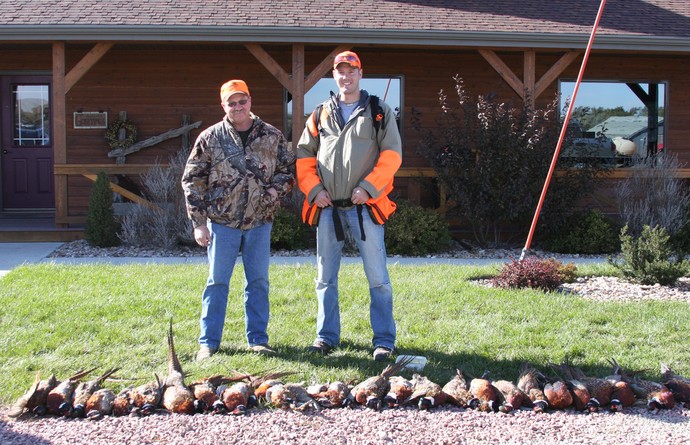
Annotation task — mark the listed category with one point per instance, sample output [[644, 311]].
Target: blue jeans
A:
[[226, 244], [373, 252]]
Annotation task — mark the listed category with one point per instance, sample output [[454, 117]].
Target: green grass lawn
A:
[[59, 319]]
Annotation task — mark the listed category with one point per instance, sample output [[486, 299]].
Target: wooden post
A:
[[297, 93], [59, 130]]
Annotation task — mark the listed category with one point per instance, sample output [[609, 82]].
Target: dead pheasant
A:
[[291, 396], [656, 395], [484, 395], [530, 381], [371, 391], [20, 405], [557, 394], [679, 385], [335, 396], [59, 401], [84, 390], [426, 394], [122, 405], [145, 399], [400, 389], [177, 397], [238, 397], [456, 390], [513, 397], [100, 404]]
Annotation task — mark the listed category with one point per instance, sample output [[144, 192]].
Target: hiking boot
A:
[[381, 353], [262, 349], [205, 352], [320, 347]]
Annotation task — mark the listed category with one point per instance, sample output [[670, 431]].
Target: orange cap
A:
[[347, 57], [233, 87]]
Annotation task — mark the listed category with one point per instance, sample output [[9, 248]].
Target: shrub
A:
[[649, 258], [288, 231], [413, 230], [491, 159], [589, 232], [532, 272], [654, 196], [101, 226], [165, 224]]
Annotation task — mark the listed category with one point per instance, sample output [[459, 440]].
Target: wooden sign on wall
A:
[[90, 119]]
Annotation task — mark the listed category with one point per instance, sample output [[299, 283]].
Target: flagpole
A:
[[563, 131]]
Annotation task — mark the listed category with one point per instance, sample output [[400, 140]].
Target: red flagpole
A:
[[563, 131]]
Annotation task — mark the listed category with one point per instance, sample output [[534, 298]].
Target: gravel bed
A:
[[361, 426]]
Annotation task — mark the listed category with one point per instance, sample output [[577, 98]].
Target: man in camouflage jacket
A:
[[235, 176]]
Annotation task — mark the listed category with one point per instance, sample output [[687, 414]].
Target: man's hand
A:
[[359, 196], [202, 236], [323, 199]]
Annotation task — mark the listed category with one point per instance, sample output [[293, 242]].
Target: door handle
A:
[[5, 151]]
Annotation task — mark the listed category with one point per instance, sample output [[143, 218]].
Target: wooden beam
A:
[[111, 169], [127, 194], [324, 67], [504, 71], [528, 77], [59, 127], [298, 91], [552, 73], [271, 65], [85, 64], [153, 140]]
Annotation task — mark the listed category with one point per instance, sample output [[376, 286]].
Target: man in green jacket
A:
[[346, 160]]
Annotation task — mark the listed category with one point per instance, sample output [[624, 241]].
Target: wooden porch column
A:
[[528, 78], [59, 130], [297, 93]]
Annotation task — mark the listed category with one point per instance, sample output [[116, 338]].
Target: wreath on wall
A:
[[113, 132]]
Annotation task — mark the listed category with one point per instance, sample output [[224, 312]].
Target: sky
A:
[[605, 94], [589, 94]]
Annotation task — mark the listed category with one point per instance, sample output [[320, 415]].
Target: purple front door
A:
[[26, 143]]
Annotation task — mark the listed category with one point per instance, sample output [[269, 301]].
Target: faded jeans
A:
[[373, 253], [226, 244]]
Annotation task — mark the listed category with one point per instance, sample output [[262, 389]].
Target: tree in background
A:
[[492, 160]]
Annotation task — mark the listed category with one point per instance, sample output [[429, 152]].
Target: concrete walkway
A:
[[16, 254]]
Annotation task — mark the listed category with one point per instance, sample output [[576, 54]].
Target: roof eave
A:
[[222, 34]]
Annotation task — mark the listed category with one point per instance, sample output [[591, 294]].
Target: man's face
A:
[[237, 107], [347, 78]]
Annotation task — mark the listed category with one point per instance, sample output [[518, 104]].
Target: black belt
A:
[[345, 203]]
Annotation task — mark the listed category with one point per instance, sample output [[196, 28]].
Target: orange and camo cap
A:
[[233, 87], [347, 57]]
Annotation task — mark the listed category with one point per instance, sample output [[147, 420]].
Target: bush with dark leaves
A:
[[545, 274]]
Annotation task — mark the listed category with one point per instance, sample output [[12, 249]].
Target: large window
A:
[[621, 119], [388, 89]]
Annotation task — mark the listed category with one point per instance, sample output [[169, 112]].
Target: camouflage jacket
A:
[[226, 183]]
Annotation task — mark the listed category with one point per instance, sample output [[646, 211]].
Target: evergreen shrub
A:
[[649, 258], [587, 232], [415, 231], [101, 226], [288, 232]]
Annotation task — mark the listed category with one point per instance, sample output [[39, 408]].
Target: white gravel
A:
[[361, 426]]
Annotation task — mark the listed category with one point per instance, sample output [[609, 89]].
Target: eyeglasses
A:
[[233, 104]]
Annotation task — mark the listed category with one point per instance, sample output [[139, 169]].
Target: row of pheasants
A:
[[238, 392]]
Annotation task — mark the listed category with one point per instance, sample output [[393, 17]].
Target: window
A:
[[31, 119], [625, 118], [388, 89]]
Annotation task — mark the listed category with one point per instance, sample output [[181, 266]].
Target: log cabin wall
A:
[[156, 84]]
